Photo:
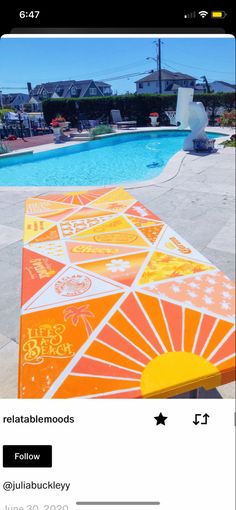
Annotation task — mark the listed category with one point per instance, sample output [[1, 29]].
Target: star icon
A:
[[160, 420]]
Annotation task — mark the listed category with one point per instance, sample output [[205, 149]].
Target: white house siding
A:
[[153, 87]]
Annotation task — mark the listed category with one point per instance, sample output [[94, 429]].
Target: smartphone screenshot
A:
[[117, 258]]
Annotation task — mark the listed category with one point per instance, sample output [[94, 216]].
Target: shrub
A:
[[228, 119], [3, 111], [100, 130], [132, 106]]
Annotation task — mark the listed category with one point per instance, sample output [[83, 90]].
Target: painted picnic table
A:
[[115, 304]]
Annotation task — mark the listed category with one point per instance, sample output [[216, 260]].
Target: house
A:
[[222, 86], [14, 101], [200, 88], [170, 82], [66, 89]]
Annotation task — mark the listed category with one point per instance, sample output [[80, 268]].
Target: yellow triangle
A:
[[116, 194], [113, 225], [126, 237], [162, 266], [35, 226]]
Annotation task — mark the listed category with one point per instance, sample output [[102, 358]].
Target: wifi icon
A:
[[203, 14]]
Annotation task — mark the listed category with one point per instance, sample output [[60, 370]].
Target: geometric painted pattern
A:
[[115, 304]]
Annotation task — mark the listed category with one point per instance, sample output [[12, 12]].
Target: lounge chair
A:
[[117, 119]]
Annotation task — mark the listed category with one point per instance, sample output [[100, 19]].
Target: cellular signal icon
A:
[[190, 15], [203, 14]]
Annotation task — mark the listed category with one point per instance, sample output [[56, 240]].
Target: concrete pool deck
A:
[[197, 201]]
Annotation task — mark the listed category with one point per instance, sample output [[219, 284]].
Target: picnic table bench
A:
[[115, 304]]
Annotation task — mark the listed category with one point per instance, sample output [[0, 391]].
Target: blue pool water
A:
[[120, 158]]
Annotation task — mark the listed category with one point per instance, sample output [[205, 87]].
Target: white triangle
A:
[[71, 286], [175, 245]]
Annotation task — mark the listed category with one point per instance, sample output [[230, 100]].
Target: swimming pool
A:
[[110, 160]]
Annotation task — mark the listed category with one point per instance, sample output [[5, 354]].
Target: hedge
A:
[[132, 106]]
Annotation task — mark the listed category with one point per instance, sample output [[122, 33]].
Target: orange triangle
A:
[[121, 269], [152, 233], [50, 339], [138, 209], [37, 271], [50, 235]]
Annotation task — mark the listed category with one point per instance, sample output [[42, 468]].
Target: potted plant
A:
[[153, 116], [61, 120], [56, 129]]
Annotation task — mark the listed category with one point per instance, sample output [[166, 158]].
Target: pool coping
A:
[[54, 146]]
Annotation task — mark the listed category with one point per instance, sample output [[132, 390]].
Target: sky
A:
[[42, 60]]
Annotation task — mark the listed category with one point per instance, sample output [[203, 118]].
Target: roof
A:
[[9, 98], [166, 75], [102, 84], [16, 94], [65, 86], [224, 83]]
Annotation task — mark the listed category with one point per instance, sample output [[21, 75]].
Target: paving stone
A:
[[223, 260], [3, 340], [227, 390], [13, 215], [10, 284], [9, 235], [226, 233], [9, 370], [11, 254]]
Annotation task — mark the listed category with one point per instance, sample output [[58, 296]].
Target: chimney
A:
[[29, 87]]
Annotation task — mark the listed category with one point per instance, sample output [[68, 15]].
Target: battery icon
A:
[[218, 14]]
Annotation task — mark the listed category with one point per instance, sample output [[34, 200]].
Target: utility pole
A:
[[158, 62], [159, 65]]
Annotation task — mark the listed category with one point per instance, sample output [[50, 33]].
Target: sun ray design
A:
[[115, 304], [169, 337]]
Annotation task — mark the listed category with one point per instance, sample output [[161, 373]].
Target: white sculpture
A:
[[192, 115]]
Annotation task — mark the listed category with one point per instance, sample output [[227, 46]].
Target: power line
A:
[[196, 67], [127, 76]]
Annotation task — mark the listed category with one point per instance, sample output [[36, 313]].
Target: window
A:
[[73, 91], [148, 83], [140, 85], [93, 91]]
